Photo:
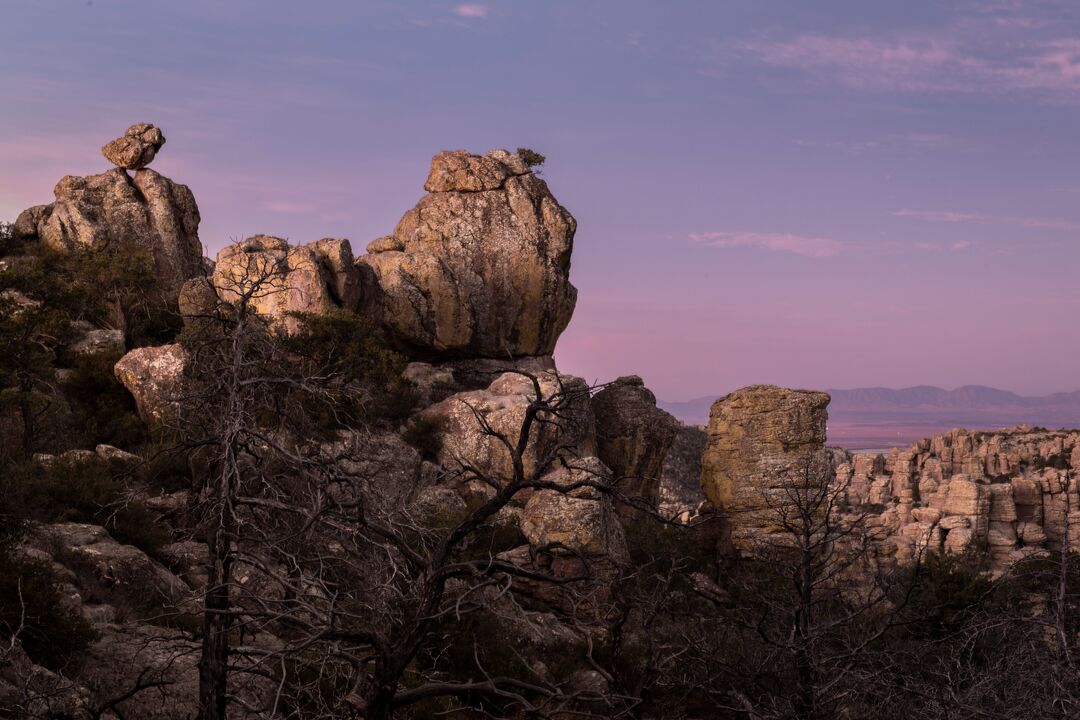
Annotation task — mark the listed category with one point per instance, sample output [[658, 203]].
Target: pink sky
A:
[[830, 197]]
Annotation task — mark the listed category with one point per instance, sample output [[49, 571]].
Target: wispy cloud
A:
[[471, 10], [950, 216], [955, 246], [777, 242], [894, 143], [953, 60]]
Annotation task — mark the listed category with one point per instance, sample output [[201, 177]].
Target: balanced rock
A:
[[763, 442], [277, 279], [136, 148], [632, 436], [480, 267]]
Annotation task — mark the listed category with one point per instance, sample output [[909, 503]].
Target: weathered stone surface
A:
[[1002, 504], [26, 224], [958, 540], [188, 560], [502, 405], [764, 442], [198, 298], [92, 340], [147, 211], [632, 436], [579, 520], [108, 572], [35, 693], [276, 279], [480, 267], [154, 376], [136, 148], [1006, 488]]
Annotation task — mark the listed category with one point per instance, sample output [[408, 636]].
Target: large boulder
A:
[[765, 444], [467, 424], [114, 210], [136, 148], [581, 520], [277, 279], [480, 267], [632, 436], [155, 377]]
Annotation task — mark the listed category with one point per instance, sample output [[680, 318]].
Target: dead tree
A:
[[321, 601]]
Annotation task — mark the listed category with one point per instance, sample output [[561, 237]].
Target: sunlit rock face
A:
[[143, 210], [469, 422], [154, 376], [480, 267], [1010, 493], [276, 279], [136, 148], [763, 443]]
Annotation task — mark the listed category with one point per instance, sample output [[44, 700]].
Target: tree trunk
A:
[[26, 413], [217, 620]]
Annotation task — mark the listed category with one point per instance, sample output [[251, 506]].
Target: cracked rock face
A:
[[154, 376], [147, 211], [502, 407], [762, 442], [633, 435], [314, 278], [480, 267], [136, 148]]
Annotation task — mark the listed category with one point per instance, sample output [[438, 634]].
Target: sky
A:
[[829, 195]]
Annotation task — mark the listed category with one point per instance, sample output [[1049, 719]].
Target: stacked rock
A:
[[136, 148]]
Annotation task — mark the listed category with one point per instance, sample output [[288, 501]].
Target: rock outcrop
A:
[[154, 376], [467, 449], [632, 437], [145, 211], [107, 574], [278, 279], [480, 267], [764, 442], [577, 521], [1005, 491], [136, 148]]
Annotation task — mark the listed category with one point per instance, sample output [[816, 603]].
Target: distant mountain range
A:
[[884, 415]]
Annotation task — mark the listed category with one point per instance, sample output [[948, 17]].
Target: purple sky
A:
[[826, 194]]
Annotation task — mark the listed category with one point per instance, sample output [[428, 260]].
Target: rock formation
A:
[[277, 279], [632, 437], [146, 211], [1007, 491], [154, 376], [480, 267], [465, 444], [763, 443], [580, 521], [136, 148]]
